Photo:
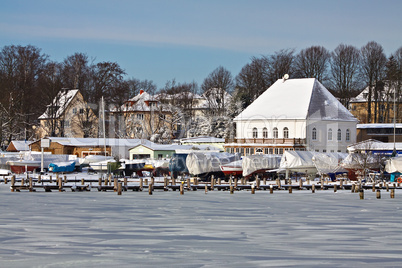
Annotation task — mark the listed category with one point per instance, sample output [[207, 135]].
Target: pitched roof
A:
[[62, 100], [304, 98]]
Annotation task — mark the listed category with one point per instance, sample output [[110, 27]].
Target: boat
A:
[[94, 159], [105, 165], [131, 166], [260, 164], [21, 166], [62, 167], [208, 164], [232, 169]]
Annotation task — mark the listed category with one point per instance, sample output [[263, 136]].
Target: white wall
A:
[[297, 128], [322, 142]]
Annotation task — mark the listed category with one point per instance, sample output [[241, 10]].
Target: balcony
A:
[[292, 141]]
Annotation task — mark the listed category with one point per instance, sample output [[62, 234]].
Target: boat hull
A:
[[19, 167]]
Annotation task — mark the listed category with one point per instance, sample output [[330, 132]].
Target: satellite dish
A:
[[285, 77]]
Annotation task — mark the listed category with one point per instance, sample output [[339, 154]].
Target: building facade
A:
[[294, 114]]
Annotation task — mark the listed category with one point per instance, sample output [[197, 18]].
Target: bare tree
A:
[[215, 87], [345, 76], [279, 64], [372, 67], [76, 72], [313, 62]]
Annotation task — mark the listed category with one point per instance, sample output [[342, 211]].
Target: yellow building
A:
[[384, 108], [69, 115]]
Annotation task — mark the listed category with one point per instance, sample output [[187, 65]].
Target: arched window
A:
[[330, 134], [339, 136], [275, 132], [255, 133], [265, 132], [347, 135], [314, 134], [285, 132]]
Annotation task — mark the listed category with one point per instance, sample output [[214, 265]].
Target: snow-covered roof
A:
[[304, 98], [378, 125], [176, 147], [97, 142], [19, 145], [387, 93], [61, 101], [202, 139], [374, 145]]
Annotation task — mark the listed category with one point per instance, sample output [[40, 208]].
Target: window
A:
[[275, 132], [247, 151], [285, 132], [242, 151], [74, 110], [271, 150], [330, 134], [280, 150], [258, 151], [347, 135], [339, 135], [324, 151], [237, 150], [160, 156], [266, 151], [255, 133], [265, 133], [81, 111], [317, 150], [140, 116], [314, 134]]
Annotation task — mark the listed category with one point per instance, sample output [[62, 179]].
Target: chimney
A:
[[141, 91]]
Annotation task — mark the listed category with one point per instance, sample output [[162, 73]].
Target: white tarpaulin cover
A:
[[394, 165], [200, 163], [361, 161], [252, 163], [312, 162]]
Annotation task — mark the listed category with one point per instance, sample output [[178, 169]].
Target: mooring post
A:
[[253, 188], [219, 181], [300, 184], [65, 179], [5, 180], [313, 188], [82, 181], [182, 188], [149, 189], [341, 184], [152, 180], [141, 183], [146, 181], [387, 187], [165, 182], [231, 189], [30, 184], [50, 179], [212, 182], [12, 183], [115, 182], [361, 194], [271, 189], [125, 182], [353, 188], [392, 193], [119, 188], [60, 185], [335, 188], [188, 183], [235, 182], [373, 187], [257, 182], [39, 178], [378, 194], [290, 189], [206, 188]]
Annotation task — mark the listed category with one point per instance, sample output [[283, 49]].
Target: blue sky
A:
[[186, 40]]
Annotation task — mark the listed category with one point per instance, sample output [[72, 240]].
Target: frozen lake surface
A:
[[166, 229]]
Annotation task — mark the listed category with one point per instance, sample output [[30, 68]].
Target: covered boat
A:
[[62, 167], [177, 164], [206, 164], [260, 163], [106, 165], [394, 167], [232, 169], [21, 166]]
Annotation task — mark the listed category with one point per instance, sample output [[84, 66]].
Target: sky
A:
[[186, 40]]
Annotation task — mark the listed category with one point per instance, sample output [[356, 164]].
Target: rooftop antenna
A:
[[285, 77]]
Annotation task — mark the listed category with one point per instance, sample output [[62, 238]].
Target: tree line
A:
[[30, 80]]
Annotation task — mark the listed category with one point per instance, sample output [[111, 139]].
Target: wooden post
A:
[[30, 185], [353, 188], [149, 189], [335, 188], [141, 183], [313, 188], [173, 181], [182, 188], [12, 183], [257, 182], [65, 179], [271, 189], [290, 189], [115, 184], [392, 193], [110, 179], [373, 187], [82, 181], [5, 180], [341, 184], [188, 183], [300, 184], [235, 182], [265, 181], [39, 179], [219, 181], [378, 194], [119, 188], [212, 182], [125, 182], [387, 187], [50, 179], [146, 182], [206, 188], [60, 185], [253, 188], [165, 182], [231, 189], [152, 180], [361, 194]]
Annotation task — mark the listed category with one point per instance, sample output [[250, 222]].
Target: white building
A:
[[294, 114]]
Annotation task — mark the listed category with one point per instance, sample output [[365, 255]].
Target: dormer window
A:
[[140, 116]]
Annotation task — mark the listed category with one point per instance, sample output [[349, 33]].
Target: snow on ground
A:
[[217, 229]]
